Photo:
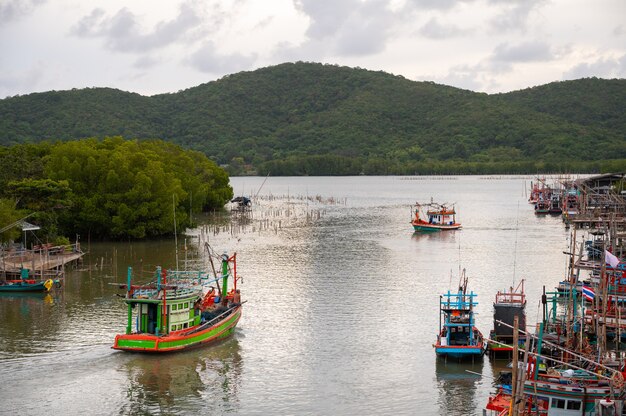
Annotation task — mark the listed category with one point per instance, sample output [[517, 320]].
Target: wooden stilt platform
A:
[[41, 259]]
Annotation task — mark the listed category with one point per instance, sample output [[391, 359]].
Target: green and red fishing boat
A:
[[181, 310]]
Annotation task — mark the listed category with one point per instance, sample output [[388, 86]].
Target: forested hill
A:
[[307, 118]]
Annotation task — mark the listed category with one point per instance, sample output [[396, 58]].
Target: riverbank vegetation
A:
[[313, 119], [110, 188]]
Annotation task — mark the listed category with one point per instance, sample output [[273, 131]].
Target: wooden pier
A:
[[41, 260]]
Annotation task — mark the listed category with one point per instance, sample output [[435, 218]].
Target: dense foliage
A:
[[306, 118], [109, 188]]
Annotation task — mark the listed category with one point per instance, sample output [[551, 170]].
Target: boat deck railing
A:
[[511, 298], [458, 301], [190, 277], [153, 293]]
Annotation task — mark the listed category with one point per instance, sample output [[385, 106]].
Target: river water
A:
[[341, 313]]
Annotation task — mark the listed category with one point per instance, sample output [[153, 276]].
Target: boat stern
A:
[[135, 342]]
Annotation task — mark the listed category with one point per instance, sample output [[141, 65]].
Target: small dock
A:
[[41, 259], [596, 221]]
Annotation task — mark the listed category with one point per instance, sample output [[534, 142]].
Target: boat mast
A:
[[129, 324], [175, 236], [440, 312], [224, 278]]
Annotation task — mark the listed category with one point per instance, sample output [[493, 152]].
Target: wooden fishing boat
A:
[[571, 204], [558, 391], [459, 338], [181, 310], [579, 387], [555, 203], [561, 396], [507, 305], [438, 217], [26, 284], [543, 205]]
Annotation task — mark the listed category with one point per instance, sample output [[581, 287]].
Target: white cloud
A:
[[423, 5], [122, 32], [347, 27], [208, 59], [12, 10], [434, 29], [514, 15], [532, 51], [154, 46], [146, 62], [619, 30], [609, 67]]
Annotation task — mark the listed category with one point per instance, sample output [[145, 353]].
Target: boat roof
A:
[[458, 301], [148, 294], [437, 208], [441, 212]]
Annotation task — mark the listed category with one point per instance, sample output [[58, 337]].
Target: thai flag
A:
[[588, 293]]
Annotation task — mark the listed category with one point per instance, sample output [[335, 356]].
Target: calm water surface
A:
[[342, 306]]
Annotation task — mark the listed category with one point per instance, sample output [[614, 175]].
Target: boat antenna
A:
[[515, 246], [459, 254], [175, 236], [259, 190], [209, 251]]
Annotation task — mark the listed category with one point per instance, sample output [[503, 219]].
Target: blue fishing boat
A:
[[459, 338], [25, 284]]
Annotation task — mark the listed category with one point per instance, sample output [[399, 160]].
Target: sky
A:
[[157, 46]]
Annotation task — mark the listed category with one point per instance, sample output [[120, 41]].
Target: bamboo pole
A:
[[582, 357], [512, 407]]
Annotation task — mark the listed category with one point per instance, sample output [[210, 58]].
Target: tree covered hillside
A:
[[307, 118]]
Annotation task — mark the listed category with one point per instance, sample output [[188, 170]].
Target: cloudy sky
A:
[[157, 46]]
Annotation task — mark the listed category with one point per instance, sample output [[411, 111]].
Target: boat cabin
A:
[[444, 216], [181, 313]]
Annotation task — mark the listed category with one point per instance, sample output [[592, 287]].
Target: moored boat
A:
[[459, 338], [571, 204], [579, 387], [26, 284], [438, 217], [543, 205], [180, 310], [507, 305], [555, 203]]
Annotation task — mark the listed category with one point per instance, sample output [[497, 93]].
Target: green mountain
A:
[[307, 118]]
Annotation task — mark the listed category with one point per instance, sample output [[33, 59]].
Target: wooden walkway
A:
[[40, 260]]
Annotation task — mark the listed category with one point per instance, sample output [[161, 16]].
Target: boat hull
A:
[[28, 287], [434, 227], [193, 337], [460, 352], [565, 390]]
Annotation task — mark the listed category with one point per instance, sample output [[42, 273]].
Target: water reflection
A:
[[46, 297], [445, 236], [206, 380], [21, 314], [457, 386]]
